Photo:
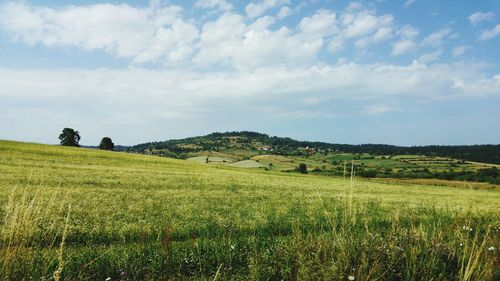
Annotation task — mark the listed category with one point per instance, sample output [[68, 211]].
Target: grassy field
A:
[[81, 214], [286, 155]]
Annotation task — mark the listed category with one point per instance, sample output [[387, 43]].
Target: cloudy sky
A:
[[409, 72]]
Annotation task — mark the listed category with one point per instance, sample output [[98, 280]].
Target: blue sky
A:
[[410, 72]]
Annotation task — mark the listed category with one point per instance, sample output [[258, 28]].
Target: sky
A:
[[409, 72]]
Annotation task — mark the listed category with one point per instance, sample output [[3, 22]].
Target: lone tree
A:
[[302, 168], [106, 144], [69, 137]]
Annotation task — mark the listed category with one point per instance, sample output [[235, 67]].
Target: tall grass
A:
[[96, 215], [330, 241], [31, 223]]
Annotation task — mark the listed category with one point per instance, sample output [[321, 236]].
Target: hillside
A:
[[250, 149], [253, 141], [90, 214]]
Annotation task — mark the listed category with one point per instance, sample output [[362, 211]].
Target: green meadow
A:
[[81, 214]]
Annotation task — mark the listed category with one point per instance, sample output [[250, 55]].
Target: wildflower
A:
[[461, 244], [233, 247], [491, 248], [107, 279], [350, 277], [467, 228]]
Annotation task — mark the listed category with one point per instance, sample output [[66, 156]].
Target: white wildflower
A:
[[351, 278], [467, 228], [107, 279], [491, 248]]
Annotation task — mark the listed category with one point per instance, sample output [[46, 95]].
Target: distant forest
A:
[[487, 153]]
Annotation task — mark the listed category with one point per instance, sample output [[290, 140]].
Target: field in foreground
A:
[[78, 214]]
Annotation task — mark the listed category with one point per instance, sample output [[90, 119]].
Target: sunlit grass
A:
[[141, 217]]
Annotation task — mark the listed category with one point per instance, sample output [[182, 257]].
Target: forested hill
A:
[[286, 146]]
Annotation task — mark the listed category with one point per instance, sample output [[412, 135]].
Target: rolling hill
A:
[[369, 160], [252, 141]]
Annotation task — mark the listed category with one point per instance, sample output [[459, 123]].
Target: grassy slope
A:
[[124, 207]]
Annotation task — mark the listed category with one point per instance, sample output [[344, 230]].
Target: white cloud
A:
[[284, 12], [141, 34], [135, 105], [363, 26], [379, 109], [489, 34], [408, 32], [185, 93], [479, 17], [354, 6], [409, 3], [160, 34], [382, 34], [437, 38], [402, 47], [336, 44], [459, 50], [256, 9], [431, 56], [321, 24], [221, 5], [364, 22], [406, 43], [228, 40], [232, 41]]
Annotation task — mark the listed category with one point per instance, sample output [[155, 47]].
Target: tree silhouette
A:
[[106, 144], [69, 137], [302, 168]]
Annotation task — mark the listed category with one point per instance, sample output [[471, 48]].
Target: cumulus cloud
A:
[[402, 47], [363, 26], [256, 9], [230, 40], [408, 3], [364, 22], [321, 24], [459, 50], [479, 17], [336, 44], [406, 42], [284, 12], [489, 34], [141, 34], [437, 38], [408, 32], [431, 56], [221, 5], [161, 34]]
